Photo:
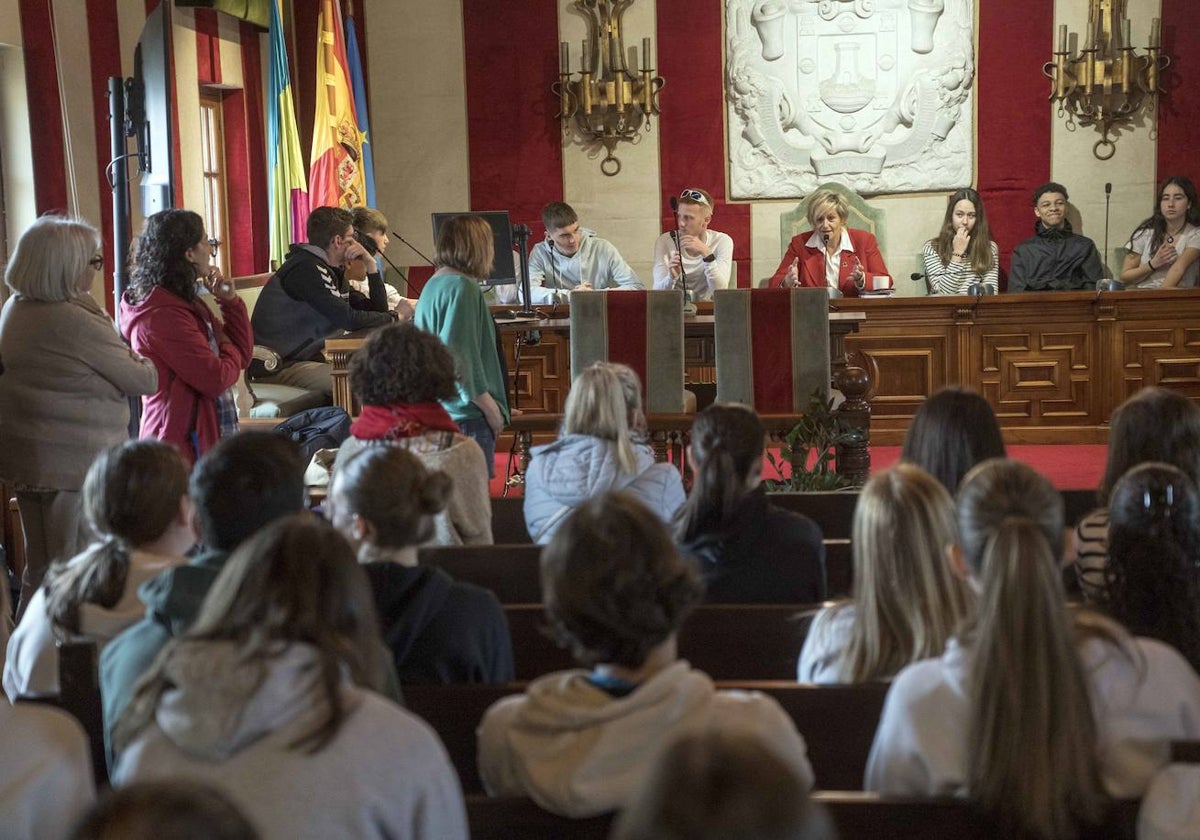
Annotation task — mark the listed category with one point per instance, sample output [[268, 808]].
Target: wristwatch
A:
[[710, 258]]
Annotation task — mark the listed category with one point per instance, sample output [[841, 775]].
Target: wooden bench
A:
[[856, 817], [726, 641], [79, 696], [512, 571], [838, 723]]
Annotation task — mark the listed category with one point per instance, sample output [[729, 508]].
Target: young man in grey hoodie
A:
[[573, 257]]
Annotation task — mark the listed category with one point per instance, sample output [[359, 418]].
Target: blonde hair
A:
[[605, 401], [822, 200], [1031, 745], [907, 602], [51, 260], [464, 243]]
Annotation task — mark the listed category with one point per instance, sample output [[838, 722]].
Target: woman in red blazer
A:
[[830, 251]]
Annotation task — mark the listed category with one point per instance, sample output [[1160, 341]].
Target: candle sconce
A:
[[1107, 83], [608, 102]]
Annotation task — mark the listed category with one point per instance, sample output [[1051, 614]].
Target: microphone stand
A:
[[1107, 203], [689, 306], [411, 247], [521, 237]]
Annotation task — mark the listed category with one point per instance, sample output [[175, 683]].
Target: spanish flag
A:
[[336, 174], [288, 192]]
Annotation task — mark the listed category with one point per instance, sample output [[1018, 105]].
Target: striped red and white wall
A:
[[463, 118]]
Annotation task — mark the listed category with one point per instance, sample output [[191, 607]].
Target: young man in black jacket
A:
[[1055, 258]]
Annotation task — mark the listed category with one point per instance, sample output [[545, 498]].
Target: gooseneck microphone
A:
[[679, 249], [412, 247], [1107, 203]]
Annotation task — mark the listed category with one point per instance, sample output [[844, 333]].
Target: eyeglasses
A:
[[97, 262], [695, 195]]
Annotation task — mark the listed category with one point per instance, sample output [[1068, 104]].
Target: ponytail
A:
[[727, 444], [1032, 757], [96, 577]]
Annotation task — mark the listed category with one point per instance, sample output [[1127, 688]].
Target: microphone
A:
[[412, 247], [687, 297], [917, 276], [1107, 202]]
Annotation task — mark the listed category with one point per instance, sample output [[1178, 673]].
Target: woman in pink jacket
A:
[[198, 355]]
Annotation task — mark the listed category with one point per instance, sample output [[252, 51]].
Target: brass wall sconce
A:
[[608, 102], [1107, 83]]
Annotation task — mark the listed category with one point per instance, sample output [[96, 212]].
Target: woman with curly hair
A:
[[398, 377], [271, 697], [199, 356], [581, 742], [64, 395]]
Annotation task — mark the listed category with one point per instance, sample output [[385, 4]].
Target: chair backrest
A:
[[862, 216], [642, 329], [79, 696], [508, 520], [726, 641], [503, 818], [454, 713], [772, 347]]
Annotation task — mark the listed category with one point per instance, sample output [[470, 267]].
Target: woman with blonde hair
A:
[[451, 306], [136, 499], [830, 255], [1039, 713], [271, 698], [602, 447], [64, 393], [907, 603]]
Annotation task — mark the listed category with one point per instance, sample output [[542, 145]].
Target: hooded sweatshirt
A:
[[233, 724], [578, 751], [1055, 259], [565, 474], [440, 630], [597, 261], [31, 669]]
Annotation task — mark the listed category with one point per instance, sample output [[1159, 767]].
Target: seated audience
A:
[[601, 448], [46, 777], [707, 255], [963, 254], [270, 697], [199, 356], [1162, 251], [176, 809], [398, 377], [717, 785], [309, 299], [748, 549], [1153, 573], [580, 742], [1055, 258], [830, 256], [1038, 712], [135, 499], [64, 393], [244, 483], [439, 630], [907, 603], [951, 432], [573, 257], [370, 229], [1155, 424], [452, 308]]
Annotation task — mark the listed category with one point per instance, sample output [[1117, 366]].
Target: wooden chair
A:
[[642, 329], [79, 696], [833, 511], [728, 642]]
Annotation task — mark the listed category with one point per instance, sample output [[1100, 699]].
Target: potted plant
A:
[[820, 431]]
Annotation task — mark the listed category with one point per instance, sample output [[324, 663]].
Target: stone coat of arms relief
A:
[[876, 94]]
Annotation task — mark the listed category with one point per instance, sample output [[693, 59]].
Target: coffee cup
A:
[[880, 282]]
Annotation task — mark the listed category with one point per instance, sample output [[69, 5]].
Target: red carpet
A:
[[1075, 467]]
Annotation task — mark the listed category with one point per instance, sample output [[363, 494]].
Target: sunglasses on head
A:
[[695, 195]]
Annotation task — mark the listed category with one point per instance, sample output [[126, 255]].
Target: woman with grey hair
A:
[[64, 391]]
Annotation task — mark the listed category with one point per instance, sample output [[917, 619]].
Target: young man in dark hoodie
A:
[[242, 484], [1055, 258], [309, 299]]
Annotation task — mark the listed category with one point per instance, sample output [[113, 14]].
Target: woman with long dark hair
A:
[[199, 356], [952, 431], [1162, 251], [963, 253], [749, 550], [271, 697]]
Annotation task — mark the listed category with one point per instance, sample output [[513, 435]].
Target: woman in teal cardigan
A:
[[451, 306]]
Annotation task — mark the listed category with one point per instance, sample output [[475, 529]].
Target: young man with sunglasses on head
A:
[[574, 258], [692, 254]]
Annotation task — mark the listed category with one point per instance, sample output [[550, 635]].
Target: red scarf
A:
[[388, 422]]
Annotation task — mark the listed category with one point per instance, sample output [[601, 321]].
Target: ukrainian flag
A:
[[288, 192]]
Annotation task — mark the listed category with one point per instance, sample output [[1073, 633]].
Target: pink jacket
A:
[[174, 335]]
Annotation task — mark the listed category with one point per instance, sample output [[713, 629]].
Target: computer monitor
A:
[[504, 273]]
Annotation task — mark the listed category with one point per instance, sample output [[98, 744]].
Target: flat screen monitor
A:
[[504, 272]]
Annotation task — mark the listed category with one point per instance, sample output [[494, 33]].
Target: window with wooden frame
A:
[[212, 155]]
